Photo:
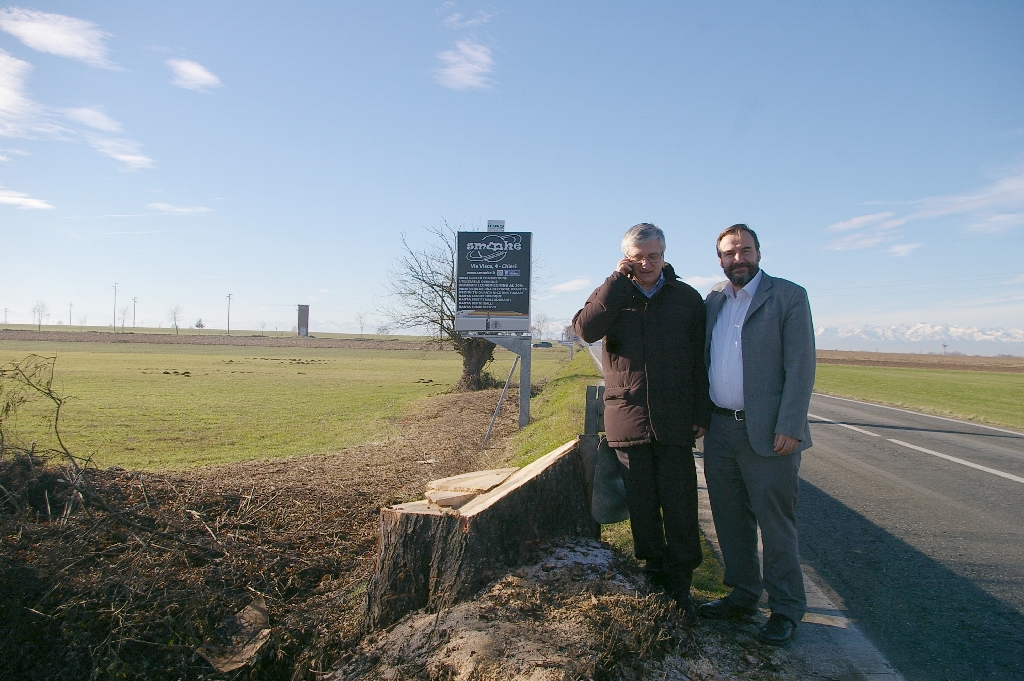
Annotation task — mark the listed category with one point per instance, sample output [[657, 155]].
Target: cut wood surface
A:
[[433, 557], [476, 482], [448, 499]]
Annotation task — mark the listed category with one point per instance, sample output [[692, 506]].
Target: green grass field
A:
[[996, 398], [557, 412], [134, 405]]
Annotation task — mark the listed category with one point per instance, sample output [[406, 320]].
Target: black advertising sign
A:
[[493, 282]]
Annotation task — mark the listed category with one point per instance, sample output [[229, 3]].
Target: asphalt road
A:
[[916, 525]]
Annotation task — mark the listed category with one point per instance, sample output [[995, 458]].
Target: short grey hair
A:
[[641, 234]]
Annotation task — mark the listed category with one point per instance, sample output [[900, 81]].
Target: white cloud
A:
[[22, 117], [903, 250], [995, 208], [578, 284], [457, 21], [178, 210], [23, 201], [466, 67], [998, 223], [57, 34], [18, 113], [860, 240], [124, 151], [94, 118], [192, 76], [858, 222]]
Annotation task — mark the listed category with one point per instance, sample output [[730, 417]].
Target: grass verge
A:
[[557, 412], [996, 398], [707, 578]]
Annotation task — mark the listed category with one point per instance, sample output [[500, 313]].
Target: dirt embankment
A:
[[219, 339], [1013, 365]]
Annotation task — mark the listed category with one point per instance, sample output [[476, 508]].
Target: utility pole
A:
[[134, 300], [229, 314], [115, 307], [71, 306]]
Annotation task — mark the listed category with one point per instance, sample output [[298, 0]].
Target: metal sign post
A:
[[492, 295], [521, 345]]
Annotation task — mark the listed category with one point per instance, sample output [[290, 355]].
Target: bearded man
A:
[[759, 351]]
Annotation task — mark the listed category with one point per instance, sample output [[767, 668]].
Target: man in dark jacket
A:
[[656, 401]]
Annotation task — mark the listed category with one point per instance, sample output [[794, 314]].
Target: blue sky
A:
[[277, 152]]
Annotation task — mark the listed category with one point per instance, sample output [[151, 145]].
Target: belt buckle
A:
[[736, 415]]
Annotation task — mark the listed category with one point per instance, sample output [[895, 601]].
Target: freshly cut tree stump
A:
[[433, 556]]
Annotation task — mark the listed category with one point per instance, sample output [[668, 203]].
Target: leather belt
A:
[[738, 415]]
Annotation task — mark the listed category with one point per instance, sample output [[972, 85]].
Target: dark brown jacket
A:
[[656, 383]]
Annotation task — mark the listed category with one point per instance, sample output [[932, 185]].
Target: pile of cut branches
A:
[[119, 574]]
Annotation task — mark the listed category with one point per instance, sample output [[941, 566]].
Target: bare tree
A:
[[200, 325], [540, 320], [361, 321], [263, 326], [40, 310], [422, 289], [81, 322], [174, 316], [123, 314]]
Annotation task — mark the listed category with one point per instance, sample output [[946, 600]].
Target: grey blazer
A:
[[778, 361]]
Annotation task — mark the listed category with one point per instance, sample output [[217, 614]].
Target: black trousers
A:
[[661, 489]]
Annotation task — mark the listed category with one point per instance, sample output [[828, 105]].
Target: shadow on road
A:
[[930, 622]]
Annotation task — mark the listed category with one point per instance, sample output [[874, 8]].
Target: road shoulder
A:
[[827, 644]]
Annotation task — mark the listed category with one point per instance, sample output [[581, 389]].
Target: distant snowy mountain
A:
[[923, 338]]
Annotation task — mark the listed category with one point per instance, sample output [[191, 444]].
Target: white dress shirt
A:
[[726, 371]]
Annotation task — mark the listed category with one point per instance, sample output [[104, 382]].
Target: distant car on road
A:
[[542, 344]]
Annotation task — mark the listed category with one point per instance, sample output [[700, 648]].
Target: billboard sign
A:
[[493, 282]]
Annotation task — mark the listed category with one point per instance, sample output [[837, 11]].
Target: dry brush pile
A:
[[119, 574]]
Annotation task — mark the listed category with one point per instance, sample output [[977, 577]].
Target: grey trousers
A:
[[661, 489], [748, 491]]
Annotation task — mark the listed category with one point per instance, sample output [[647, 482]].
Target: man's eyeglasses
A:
[[650, 259]]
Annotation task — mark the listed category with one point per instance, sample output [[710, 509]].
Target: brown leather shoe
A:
[[779, 629], [724, 609]]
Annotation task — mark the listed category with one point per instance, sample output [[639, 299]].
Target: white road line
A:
[[918, 413], [844, 425], [947, 457]]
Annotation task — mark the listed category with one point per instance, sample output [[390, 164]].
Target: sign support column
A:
[[492, 292], [522, 346]]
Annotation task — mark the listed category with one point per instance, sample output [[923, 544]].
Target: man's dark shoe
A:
[[778, 630], [724, 609], [684, 604]]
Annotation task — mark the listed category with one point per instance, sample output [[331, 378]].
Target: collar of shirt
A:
[[657, 285], [750, 289]]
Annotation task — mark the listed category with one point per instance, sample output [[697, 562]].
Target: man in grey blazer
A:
[[759, 349]]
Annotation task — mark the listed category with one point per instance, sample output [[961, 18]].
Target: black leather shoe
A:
[[687, 610], [778, 630], [724, 609]]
